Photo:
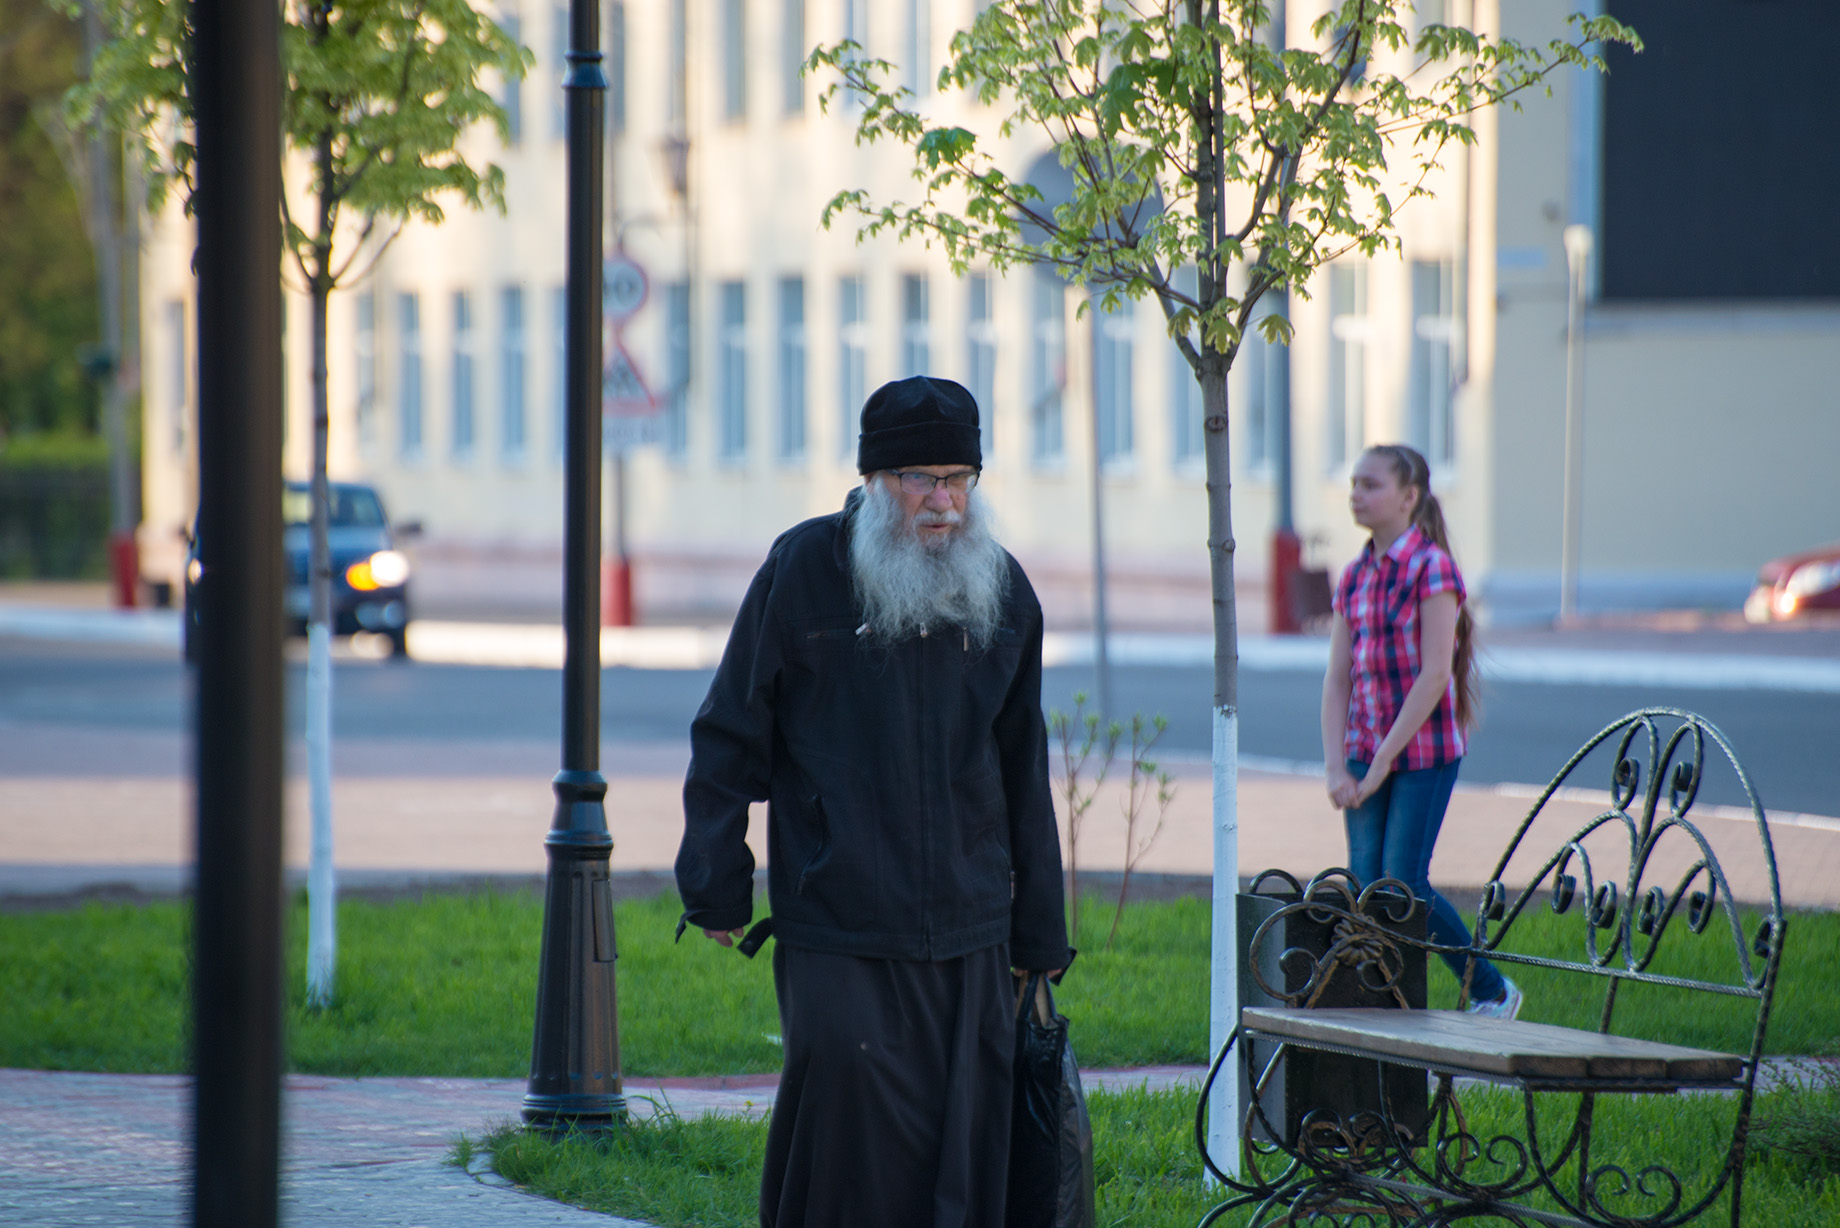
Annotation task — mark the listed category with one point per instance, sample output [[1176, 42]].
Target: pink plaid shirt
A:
[[1380, 602]]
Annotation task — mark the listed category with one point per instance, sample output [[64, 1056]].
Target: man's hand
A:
[[727, 938]]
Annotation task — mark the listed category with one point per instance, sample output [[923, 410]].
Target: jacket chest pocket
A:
[[827, 646]]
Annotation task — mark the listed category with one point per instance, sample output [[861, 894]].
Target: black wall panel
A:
[[1721, 154]]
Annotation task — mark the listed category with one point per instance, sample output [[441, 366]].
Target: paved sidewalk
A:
[[137, 831], [84, 1149], [88, 1149]]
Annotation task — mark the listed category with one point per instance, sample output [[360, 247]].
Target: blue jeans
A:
[[1391, 835]]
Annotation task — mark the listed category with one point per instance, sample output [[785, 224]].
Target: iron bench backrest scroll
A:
[[1640, 864], [1327, 944]]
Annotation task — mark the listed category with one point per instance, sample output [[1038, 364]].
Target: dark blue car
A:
[[370, 577]]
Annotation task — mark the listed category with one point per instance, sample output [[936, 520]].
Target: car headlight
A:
[[1811, 578], [193, 570], [384, 569]]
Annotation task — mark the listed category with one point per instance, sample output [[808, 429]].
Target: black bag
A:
[[1051, 1147]]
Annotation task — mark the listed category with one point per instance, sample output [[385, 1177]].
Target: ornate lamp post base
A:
[[575, 1061]]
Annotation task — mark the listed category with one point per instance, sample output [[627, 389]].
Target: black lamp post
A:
[[236, 983], [575, 1056]]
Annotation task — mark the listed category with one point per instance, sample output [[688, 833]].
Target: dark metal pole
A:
[[236, 983], [575, 1055]]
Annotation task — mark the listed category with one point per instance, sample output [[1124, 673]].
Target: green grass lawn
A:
[[706, 1173], [444, 985]]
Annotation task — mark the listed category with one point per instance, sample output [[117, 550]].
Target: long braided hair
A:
[[1428, 517]]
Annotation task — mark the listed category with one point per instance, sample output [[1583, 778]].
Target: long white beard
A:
[[907, 584]]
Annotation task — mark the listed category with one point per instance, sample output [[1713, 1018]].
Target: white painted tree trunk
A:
[[322, 887], [1223, 1009], [322, 890]]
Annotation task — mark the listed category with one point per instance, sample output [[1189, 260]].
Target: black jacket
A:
[[909, 814]]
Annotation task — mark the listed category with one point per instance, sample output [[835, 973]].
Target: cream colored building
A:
[[1711, 428]]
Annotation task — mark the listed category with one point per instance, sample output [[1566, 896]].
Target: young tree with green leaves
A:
[[1198, 136], [379, 93]]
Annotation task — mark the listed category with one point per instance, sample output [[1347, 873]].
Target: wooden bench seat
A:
[[1508, 1050]]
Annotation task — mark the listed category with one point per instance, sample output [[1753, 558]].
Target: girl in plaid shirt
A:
[[1399, 696]]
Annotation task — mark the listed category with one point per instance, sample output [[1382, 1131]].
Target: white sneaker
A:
[[1505, 1007]]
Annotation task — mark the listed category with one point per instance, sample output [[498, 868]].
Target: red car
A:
[[1796, 585]]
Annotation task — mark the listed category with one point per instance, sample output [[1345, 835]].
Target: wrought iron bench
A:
[[1340, 1125]]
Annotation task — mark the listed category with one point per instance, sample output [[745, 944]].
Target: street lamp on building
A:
[[575, 1053]]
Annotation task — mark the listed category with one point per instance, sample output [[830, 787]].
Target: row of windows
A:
[[466, 427], [613, 65], [1437, 365], [1436, 368], [915, 18], [500, 421], [977, 368]]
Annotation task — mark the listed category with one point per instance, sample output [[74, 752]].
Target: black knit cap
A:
[[918, 421]]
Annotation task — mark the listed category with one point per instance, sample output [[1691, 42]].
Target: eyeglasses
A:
[[924, 484]]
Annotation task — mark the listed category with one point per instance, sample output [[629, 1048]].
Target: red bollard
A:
[[125, 569], [616, 592], [1286, 559]]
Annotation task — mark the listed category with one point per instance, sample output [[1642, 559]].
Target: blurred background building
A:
[[1706, 169]]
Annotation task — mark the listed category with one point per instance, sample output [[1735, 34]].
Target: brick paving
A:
[[86, 1149]]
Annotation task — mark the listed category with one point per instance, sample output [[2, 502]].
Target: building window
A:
[[1437, 359], [409, 377], [852, 360], [178, 366], [616, 67], [677, 74], [732, 347], [792, 51], [677, 368], [559, 53], [511, 373], [463, 375], [559, 329], [1348, 336], [734, 60], [916, 57], [792, 368], [981, 357], [855, 30], [1112, 380], [1048, 366], [915, 310], [364, 362], [1185, 409], [1254, 368], [513, 99]]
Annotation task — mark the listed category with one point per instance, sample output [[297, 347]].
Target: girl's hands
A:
[[1342, 786], [1369, 784]]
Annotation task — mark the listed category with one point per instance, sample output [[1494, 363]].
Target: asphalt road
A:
[[70, 709]]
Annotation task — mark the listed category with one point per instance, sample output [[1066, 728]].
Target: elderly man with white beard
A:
[[881, 691]]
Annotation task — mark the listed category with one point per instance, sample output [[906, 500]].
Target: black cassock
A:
[[894, 1106]]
